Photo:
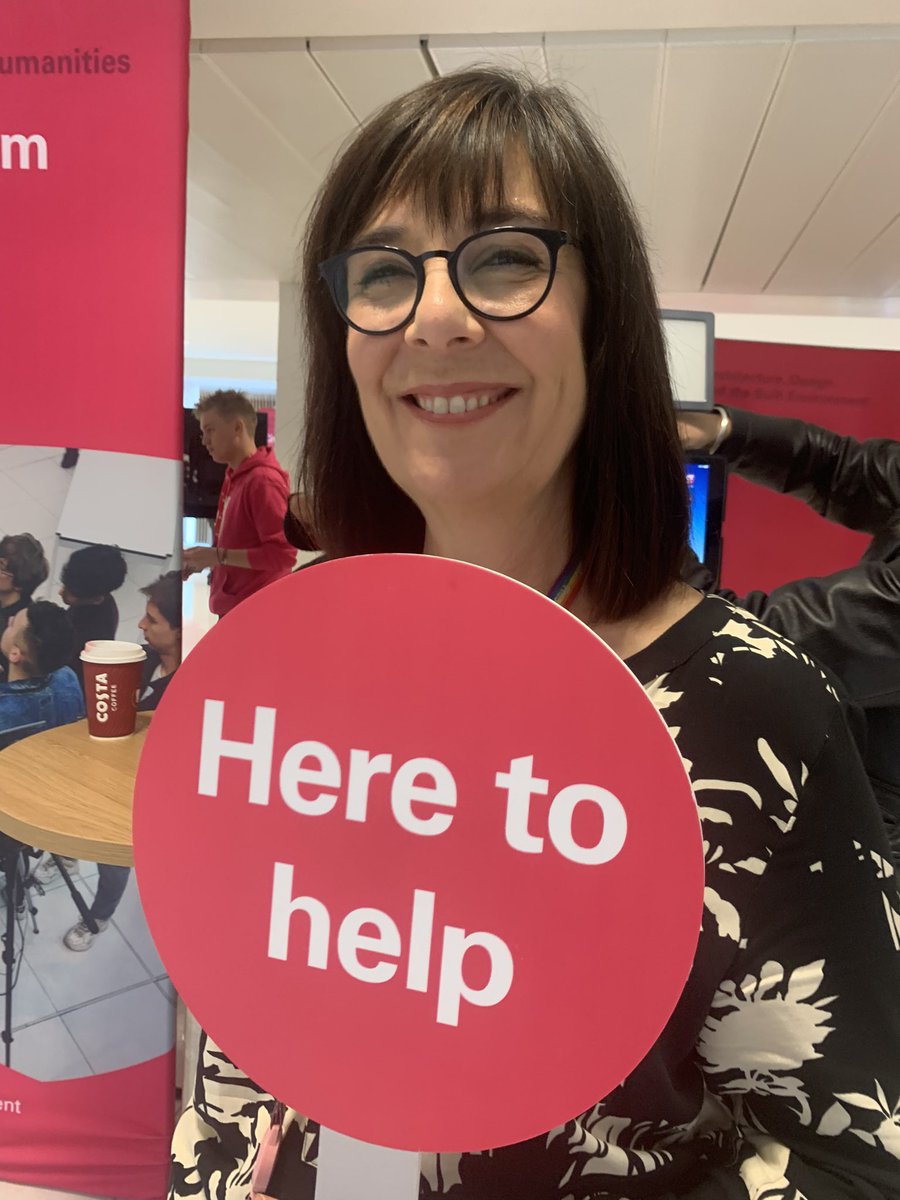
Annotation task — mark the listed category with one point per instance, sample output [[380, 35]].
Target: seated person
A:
[[40, 691], [89, 578], [161, 626], [23, 568]]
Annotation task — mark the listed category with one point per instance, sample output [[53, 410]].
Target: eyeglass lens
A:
[[500, 274]]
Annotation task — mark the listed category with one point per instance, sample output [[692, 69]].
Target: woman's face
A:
[[523, 381]]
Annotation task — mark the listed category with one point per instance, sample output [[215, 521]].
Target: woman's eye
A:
[[382, 274], [506, 257]]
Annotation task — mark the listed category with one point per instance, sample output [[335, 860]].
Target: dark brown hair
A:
[[165, 593], [229, 403], [25, 561], [443, 148]]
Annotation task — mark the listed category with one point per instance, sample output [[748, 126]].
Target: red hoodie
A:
[[252, 504]]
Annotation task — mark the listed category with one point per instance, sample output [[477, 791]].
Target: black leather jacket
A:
[[849, 621]]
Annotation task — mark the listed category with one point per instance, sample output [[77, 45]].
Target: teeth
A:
[[441, 405]]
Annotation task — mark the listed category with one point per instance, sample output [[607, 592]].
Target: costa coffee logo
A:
[[105, 696]]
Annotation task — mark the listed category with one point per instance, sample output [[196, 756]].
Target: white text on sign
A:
[[311, 781], [387, 942]]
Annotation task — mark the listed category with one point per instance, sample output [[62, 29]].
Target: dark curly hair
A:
[[49, 641], [94, 571]]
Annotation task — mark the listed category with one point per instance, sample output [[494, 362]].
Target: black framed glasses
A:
[[500, 274]]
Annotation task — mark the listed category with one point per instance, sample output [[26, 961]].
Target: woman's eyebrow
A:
[[512, 215], [383, 235], [394, 235]]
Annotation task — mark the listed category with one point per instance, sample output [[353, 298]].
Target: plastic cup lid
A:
[[112, 652]]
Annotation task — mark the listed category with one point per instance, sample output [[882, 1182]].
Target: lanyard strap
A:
[[568, 585]]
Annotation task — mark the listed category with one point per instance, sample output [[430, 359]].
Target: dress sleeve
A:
[[802, 1041], [215, 1140]]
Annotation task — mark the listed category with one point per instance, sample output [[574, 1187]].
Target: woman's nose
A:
[[441, 319]]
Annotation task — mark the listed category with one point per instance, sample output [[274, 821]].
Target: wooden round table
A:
[[64, 792]]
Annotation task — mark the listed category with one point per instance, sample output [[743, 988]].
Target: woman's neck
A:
[[532, 548], [535, 549], [169, 661]]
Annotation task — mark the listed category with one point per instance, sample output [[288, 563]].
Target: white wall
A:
[[800, 320], [232, 341]]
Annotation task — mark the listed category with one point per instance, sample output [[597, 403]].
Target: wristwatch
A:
[[724, 429]]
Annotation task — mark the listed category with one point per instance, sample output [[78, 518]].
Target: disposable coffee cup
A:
[[112, 677]]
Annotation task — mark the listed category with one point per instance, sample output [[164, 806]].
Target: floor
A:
[[33, 489], [99, 1010]]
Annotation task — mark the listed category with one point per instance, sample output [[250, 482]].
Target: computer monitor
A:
[[690, 340], [706, 476]]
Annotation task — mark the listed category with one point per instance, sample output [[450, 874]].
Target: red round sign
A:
[[419, 853]]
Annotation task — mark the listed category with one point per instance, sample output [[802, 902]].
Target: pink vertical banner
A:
[[93, 136]]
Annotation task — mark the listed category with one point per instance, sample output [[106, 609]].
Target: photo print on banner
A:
[[90, 632]]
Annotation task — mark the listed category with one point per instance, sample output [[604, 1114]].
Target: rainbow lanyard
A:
[[568, 585]]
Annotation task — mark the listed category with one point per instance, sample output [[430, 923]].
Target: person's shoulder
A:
[[64, 680], [267, 472], [746, 676]]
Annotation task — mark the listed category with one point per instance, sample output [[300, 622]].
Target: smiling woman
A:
[[487, 382], [579, 357]]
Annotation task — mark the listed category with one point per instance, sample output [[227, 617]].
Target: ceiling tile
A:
[[617, 78], [829, 95], [453, 54], [714, 99], [369, 76]]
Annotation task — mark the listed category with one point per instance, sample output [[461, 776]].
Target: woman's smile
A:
[[459, 403]]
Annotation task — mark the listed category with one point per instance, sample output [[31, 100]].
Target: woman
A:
[[489, 383]]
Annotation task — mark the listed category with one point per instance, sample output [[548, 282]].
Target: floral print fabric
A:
[[778, 1075]]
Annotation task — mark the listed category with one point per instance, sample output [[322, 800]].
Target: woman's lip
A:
[[456, 389]]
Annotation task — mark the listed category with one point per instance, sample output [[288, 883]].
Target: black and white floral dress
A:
[[778, 1075]]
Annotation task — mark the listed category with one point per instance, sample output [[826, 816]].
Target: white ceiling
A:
[[764, 161]]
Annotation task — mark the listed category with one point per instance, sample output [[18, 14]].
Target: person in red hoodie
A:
[[249, 547]]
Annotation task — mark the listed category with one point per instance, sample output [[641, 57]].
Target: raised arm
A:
[[855, 484]]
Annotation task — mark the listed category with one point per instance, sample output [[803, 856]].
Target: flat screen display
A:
[[690, 338], [698, 490], [706, 489]]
